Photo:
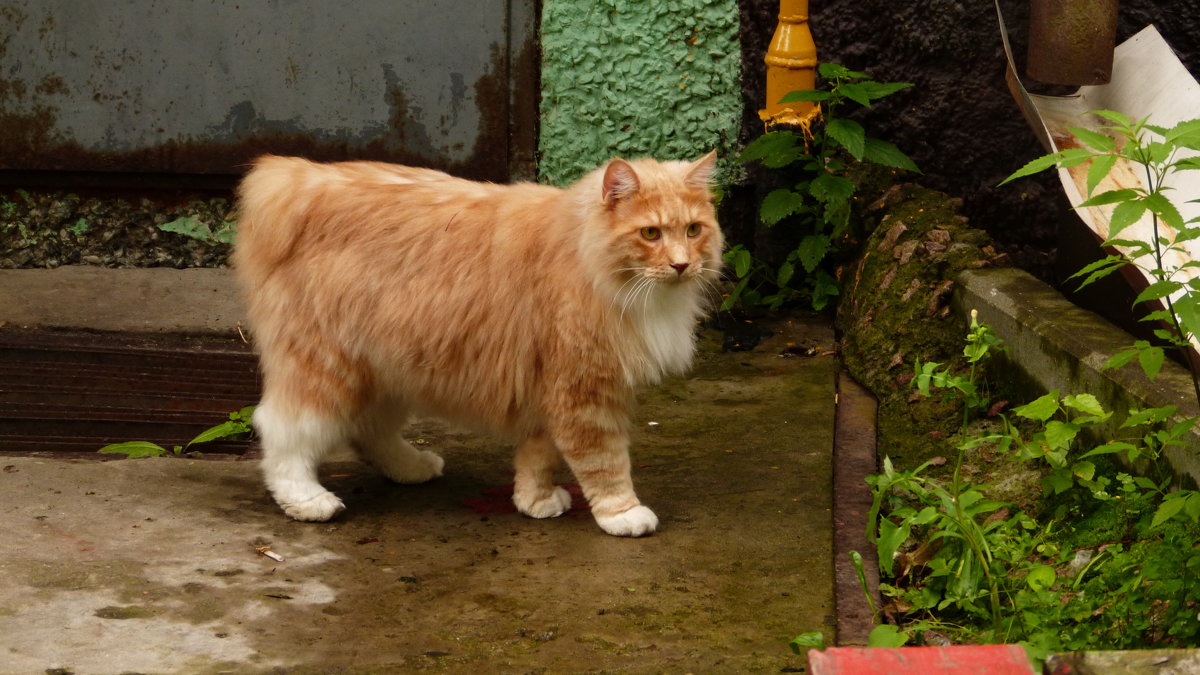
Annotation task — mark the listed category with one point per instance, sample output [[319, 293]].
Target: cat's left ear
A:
[[700, 173], [620, 181]]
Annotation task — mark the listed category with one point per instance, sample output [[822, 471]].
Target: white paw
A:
[[318, 509], [558, 503], [418, 468], [636, 522]]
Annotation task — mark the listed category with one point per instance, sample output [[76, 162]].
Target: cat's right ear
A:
[[620, 182]]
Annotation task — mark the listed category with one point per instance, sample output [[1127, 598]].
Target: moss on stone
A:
[[895, 310]]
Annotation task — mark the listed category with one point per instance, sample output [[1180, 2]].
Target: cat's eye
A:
[[651, 233], [693, 229]]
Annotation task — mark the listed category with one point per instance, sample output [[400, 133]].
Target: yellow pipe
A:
[[791, 65]]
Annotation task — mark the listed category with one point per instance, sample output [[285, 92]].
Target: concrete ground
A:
[[150, 565]]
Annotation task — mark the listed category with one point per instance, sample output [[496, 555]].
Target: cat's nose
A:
[[679, 267]]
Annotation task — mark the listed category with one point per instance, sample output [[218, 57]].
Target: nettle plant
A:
[[816, 207]]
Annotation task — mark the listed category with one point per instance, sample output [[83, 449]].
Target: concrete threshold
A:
[[157, 566], [1053, 344]]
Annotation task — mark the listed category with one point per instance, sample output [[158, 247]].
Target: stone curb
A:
[[1053, 344]]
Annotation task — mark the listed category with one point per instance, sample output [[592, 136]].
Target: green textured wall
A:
[[637, 78]]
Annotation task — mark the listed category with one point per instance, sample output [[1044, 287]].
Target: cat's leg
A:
[[378, 441], [534, 491], [293, 445], [596, 448]]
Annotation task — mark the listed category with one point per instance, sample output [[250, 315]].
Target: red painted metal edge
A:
[[955, 660]]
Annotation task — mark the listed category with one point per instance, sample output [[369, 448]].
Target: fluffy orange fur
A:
[[375, 290]]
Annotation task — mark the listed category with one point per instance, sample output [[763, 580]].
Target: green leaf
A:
[[887, 154], [779, 204], [1035, 166], [1109, 448], [887, 635], [1157, 291], [1124, 215], [1094, 139], [220, 431], [1100, 269], [1120, 119], [877, 90], [1150, 359], [806, 641], [1098, 170], [832, 71], [812, 250], [1084, 470], [135, 449], [190, 226], [827, 188], [810, 95], [741, 260], [848, 134], [891, 536], [1164, 209], [1109, 197], [1058, 481], [1187, 309], [855, 92], [774, 149], [1086, 404], [786, 270], [1041, 578], [1148, 416], [1040, 409], [1169, 507], [1059, 434]]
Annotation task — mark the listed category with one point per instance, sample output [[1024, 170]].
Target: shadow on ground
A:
[[151, 565]]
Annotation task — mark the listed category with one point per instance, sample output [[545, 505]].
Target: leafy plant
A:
[[961, 563], [192, 226], [816, 207], [1158, 152], [236, 427]]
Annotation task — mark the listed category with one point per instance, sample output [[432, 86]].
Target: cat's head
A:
[[658, 220]]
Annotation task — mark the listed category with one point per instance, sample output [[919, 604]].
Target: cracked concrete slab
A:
[[150, 565]]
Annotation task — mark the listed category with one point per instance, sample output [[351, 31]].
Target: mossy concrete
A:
[[151, 566], [1053, 344]]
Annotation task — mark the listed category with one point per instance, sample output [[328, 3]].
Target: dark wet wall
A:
[[959, 122]]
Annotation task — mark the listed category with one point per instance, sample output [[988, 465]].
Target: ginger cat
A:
[[375, 290]]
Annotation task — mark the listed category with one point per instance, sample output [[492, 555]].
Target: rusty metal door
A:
[[178, 86]]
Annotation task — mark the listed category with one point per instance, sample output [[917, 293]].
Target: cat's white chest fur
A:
[[667, 325]]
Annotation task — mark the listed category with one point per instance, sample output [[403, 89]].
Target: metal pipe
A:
[[1071, 41], [791, 65]]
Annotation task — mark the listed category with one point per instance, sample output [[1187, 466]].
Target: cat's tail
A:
[[272, 202]]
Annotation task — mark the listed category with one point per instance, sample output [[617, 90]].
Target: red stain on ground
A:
[[498, 500]]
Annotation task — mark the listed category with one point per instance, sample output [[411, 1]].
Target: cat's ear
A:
[[700, 173], [620, 181]]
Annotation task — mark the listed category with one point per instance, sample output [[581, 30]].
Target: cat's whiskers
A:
[[641, 288]]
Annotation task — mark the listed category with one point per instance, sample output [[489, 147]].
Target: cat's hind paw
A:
[[636, 522], [417, 467], [317, 509], [558, 503]]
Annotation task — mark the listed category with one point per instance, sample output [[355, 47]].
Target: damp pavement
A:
[[157, 565]]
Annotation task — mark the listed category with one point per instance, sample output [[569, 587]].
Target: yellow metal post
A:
[[791, 64]]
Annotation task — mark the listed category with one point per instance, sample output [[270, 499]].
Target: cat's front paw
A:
[[318, 509], [558, 503], [636, 522]]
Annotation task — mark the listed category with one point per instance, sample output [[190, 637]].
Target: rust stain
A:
[[505, 142]]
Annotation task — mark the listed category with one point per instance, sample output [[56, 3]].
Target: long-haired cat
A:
[[375, 290]]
